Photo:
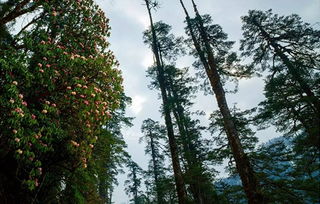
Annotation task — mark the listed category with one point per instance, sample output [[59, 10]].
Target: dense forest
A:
[[63, 108]]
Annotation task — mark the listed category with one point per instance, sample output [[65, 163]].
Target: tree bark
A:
[[179, 181]]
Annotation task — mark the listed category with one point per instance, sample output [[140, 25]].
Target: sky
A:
[[128, 19]]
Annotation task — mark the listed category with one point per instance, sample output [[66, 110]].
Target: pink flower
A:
[[54, 13], [17, 139], [39, 65], [20, 96], [86, 102], [54, 105], [48, 65], [79, 85], [73, 93], [85, 87], [36, 183], [24, 103], [41, 70], [15, 131], [47, 102], [33, 117], [93, 95], [42, 42], [82, 96], [44, 58], [69, 87]]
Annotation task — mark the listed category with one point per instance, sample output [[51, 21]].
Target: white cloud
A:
[[147, 60], [137, 104]]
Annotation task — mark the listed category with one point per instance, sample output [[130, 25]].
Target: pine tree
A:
[[134, 182], [180, 184], [212, 64], [153, 133], [289, 50]]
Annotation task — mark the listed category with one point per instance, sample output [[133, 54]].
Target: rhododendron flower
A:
[[48, 65], [86, 102], [47, 102], [91, 146], [44, 111], [79, 85], [19, 151], [39, 65], [73, 93], [17, 139], [54, 105], [82, 96], [41, 70], [24, 103], [69, 87], [54, 13], [20, 96], [84, 87], [93, 95], [15, 131], [11, 101], [36, 183], [33, 117], [15, 83]]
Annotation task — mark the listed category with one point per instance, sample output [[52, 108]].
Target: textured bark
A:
[[180, 186], [247, 175]]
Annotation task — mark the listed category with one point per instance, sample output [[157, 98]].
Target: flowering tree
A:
[[58, 86]]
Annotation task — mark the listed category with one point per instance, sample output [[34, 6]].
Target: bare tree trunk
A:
[[247, 175], [180, 186]]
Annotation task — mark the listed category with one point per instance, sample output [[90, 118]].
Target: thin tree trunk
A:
[[243, 165], [180, 186]]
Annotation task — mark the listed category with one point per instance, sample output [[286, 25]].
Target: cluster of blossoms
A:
[[65, 91]]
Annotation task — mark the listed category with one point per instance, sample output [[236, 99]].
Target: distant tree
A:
[[289, 50], [153, 133], [212, 50], [133, 183]]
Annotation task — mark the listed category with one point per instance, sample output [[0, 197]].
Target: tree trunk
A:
[[180, 186], [248, 178]]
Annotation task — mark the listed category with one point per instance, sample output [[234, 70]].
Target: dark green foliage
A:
[[226, 61], [133, 183], [243, 122], [288, 49]]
